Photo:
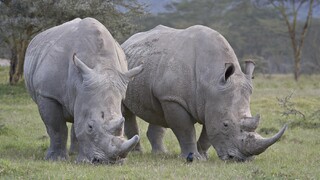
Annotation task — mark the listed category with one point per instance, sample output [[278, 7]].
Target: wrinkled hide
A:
[[193, 76], [77, 73]]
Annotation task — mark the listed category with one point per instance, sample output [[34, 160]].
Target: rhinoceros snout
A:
[[118, 156], [96, 160], [230, 157], [235, 155]]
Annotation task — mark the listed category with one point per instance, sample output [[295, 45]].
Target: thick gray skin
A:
[[192, 76], [86, 89]]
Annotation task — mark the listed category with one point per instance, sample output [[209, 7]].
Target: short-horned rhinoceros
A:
[[192, 76], [85, 88]]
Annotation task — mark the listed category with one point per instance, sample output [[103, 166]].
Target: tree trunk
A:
[[297, 66], [17, 61], [297, 43], [13, 64]]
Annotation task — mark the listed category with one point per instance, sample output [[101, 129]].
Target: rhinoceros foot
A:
[[137, 149], [159, 150], [56, 155], [204, 156], [196, 156], [73, 151]]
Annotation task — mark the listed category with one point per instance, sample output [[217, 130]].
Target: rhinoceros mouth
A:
[[235, 156], [96, 161], [110, 160]]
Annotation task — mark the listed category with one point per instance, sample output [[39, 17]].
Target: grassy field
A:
[[23, 140]]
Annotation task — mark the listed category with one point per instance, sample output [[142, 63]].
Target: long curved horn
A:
[[250, 123], [128, 145], [256, 144]]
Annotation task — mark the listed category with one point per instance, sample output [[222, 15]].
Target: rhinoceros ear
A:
[[83, 68], [249, 68], [228, 71], [133, 72]]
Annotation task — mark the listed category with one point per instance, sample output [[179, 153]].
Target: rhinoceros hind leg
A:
[[182, 125], [52, 116], [131, 127], [74, 145], [155, 135], [203, 143]]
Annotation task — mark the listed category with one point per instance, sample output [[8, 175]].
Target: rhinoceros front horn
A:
[[128, 145], [257, 144]]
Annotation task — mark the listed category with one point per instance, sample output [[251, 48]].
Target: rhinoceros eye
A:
[[102, 114], [90, 126], [225, 124]]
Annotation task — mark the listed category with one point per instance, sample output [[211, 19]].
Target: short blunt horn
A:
[[115, 127], [250, 123], [249, 68]]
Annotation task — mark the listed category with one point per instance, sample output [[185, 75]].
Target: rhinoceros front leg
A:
[[155, 135], [131, 127], [203, 143], [74, 145], [52, 116], [182, 125]]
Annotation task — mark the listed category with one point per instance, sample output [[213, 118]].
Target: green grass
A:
[[23, 141]]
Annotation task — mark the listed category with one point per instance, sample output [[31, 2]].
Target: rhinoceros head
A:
[[229, 124], [97, 112]]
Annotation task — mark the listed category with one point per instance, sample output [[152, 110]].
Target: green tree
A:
[[18, 23], [311, 50], [21, 20], [289, 10], [252, 32]]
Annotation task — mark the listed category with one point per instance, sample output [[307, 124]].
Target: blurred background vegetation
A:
[[282, 36]]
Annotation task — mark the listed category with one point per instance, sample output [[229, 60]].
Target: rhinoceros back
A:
[[39, 48], [49, 70], [175, 61], [145, 48]]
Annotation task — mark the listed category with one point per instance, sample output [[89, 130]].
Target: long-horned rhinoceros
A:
[[192, 76], [86, 92]]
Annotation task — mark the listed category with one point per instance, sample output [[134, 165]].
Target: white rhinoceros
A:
[[192, 76], [86, 92]]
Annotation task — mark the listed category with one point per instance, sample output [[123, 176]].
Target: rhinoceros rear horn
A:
[[250, 123], [115, 126], [258, 144], [128, 145], [83, 68], [133, 72]]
